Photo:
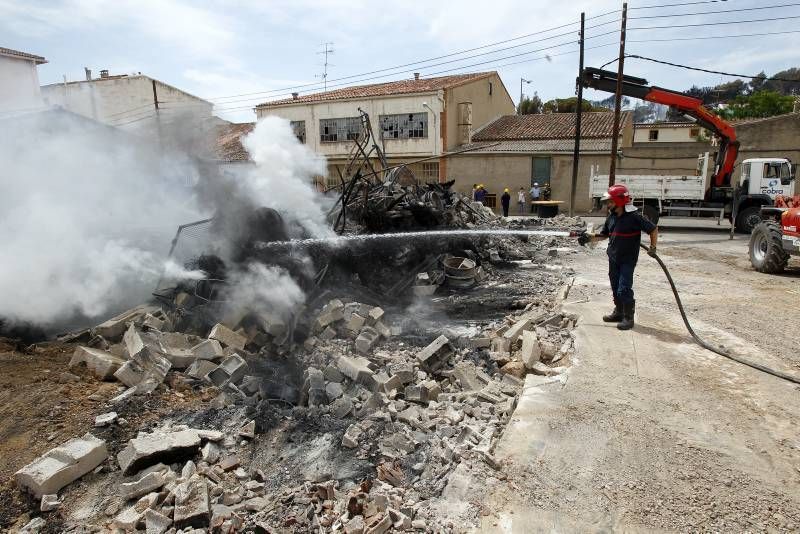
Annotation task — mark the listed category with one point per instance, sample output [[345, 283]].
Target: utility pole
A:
[[519, 110], [612, 173], [578, 113], [326, 50]]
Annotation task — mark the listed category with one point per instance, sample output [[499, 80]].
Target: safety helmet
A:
[[618, 194], [536, 184], [505, 190]]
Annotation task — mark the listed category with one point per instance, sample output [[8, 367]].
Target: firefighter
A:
[[623, 228], [505, 200]]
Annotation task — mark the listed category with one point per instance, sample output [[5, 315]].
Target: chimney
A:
[[295, 95], [416, 75], [88, 73], [104, 73]]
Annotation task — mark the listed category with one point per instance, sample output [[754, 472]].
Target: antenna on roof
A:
[[326, 50]]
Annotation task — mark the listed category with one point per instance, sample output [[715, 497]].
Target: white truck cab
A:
[[767, 176]]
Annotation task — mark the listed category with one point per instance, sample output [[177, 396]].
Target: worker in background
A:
[[521, 200], [535, 196], [505, 200], [623, 228], [474, 191], [480, 194]]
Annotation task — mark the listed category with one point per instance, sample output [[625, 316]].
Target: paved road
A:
[[651, 432]]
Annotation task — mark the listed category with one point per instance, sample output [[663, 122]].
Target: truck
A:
[[761, 181], [712, 189], [777, 237]]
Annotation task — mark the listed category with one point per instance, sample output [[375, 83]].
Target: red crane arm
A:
[[604, 80]]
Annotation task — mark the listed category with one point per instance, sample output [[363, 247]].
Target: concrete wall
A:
[[486, 107], [777, 137], [498, 171], [662, 158], [666, 134], [312, 113], [117, 101], [19, 85]]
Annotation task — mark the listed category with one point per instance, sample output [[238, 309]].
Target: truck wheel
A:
[[766, 248], [650, 213], [748, 219]]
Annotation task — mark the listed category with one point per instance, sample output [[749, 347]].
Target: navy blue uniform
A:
[[624, 237]]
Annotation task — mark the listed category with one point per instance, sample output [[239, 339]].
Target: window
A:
[[745, 171], [653, 135], [299, 129], [344, 129], [430, 171], [694, 133], [404, 126]]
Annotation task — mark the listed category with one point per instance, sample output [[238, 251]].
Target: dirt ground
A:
[[651, 432]]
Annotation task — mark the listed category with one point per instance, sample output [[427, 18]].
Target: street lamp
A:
[[519, 111]]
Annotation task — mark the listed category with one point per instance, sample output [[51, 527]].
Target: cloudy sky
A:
[[264, 49]]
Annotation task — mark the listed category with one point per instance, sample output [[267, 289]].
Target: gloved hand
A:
[[584, 239], [651, 251]]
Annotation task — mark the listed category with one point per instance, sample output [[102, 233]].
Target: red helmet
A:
[[618, 194]]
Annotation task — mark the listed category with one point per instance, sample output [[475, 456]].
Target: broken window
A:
[[342, 129], [299, 129], [654, 135], [404, 126]]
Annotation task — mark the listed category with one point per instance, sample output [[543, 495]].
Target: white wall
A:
[[666, 134], [311, 113], [120, 101], [19, 85]]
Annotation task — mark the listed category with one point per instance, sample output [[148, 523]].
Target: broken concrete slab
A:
[[112, 329], [105, 419], [62, 465], [531, 351], [192, 505], [248, 430], [356, 322], [49, 503], [131, 374], [367, 339], [147, 484], [209, 349], [227, 337], [351, 436], [435, 355], [155, 522], [102, 364], [159, 446], [356, 369], [200, 368]]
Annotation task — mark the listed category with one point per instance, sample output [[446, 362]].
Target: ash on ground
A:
[[371, 406]]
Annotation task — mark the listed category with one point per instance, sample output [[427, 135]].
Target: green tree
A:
[[530, 105], [569, 105], [758, 105]]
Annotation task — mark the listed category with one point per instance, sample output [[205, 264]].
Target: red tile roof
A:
[[22, 55], [400, 87], [596, 124], [229, 141]]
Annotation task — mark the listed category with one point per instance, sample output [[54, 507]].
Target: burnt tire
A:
[[748, 219], [650, 213], [766, 248]]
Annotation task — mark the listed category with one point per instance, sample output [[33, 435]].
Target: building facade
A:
[[518, 150], [19, 81], [122, 100], [773, 137], [410, 119], [668, 132]]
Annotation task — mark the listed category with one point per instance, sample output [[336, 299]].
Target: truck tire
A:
[[766, 248], [650, 213], [748, 219]]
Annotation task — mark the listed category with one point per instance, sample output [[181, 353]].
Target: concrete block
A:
[[49, 503], [515, 331], [200, 368], [383, 330], [235, 366], [531, 350], [418, 394], [130, 374], [424, 291], [62, 465], [356, 369], [149, 483], [332, 374], [114, 328], [375, 315], [155, 522], [327, 334], [356, 322], [166, 447], [351, 437], [404, 372], [100, 363], [366, 339], [180, 358], [192, 505], [435, 355], [333, 390], [480, 343], [105, 419], [500, 345], [382, 382], [227, 337], [248, 430], [342, 407]]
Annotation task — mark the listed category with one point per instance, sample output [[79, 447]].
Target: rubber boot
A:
[[628, 311], [615, 316]]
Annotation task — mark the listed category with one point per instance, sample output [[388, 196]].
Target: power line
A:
[[716, 12], [710, 71], [712, 37], [460, 52], [712, 23], [679, 4]]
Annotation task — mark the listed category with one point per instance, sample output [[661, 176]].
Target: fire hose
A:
[[708, 346]]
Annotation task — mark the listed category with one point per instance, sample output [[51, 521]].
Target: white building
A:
[[122, 100], [19, 81], [668, 132], [411, 119]]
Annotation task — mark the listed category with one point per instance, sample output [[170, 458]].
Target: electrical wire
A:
[[717, 12], [710, 37], [708, 346], [710, 71], [679, 4], [721, 23]]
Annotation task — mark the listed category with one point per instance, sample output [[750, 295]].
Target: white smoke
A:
[[284, 174], [268, 290]]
